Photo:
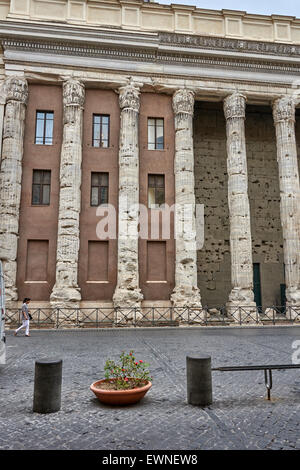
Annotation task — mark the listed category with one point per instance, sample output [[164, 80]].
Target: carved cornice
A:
[[129, 97], [284, 109], [238, 45], [235, 106], [16, 89], [258, 62], [183, 102]]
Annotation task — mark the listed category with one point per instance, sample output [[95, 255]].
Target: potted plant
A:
[[125, 382]]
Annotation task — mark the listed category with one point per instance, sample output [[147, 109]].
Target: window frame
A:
[[100, 131], [155, 187], [41, 185], [155, 133], [99, 186], [44, 127]]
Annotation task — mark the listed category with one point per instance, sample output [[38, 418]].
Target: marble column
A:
[[284, 120], [241, 294], [66, 292], [16, 92], [186, 292], [128, 292], [2, 106]]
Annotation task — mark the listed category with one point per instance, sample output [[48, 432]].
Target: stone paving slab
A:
[[240, 417]]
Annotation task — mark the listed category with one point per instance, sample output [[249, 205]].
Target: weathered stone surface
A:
[[186, 292], [66, 292], [284, 120], [238, 203], [16, 92], [128, 292]]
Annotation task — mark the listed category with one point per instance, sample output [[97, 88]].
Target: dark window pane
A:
[[160, 196], [151, 181], [36, 194], [104, 179], [46, 177], [95, 179], [37, 176], [160, 181], [103, 195], [46, 194], [94, 196]]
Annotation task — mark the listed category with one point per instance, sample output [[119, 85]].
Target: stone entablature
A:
[[144, 16]]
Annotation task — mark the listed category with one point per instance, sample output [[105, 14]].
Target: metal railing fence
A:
[[153, 316]]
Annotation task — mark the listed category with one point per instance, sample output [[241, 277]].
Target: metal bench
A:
[[266, 368]]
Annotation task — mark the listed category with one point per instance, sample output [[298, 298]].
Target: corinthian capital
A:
[[284, 109], [16, 89], [73, 93], [183, 102], [129, 97], [235, 106]]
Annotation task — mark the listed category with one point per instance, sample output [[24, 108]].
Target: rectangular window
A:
[[97, 261], [99, 189], [41, 183], [155, 134], [44, 127], [156, 261], [37, 260], [101, 130], [156, 191]]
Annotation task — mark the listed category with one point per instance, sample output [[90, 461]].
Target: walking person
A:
[[25, 317]]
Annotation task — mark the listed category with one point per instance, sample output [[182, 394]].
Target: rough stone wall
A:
[[214, 273], [211, 190], [267, 241]]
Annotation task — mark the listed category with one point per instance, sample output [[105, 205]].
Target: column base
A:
[[184, 299], [293, 304], [65, 297], [127, 304]]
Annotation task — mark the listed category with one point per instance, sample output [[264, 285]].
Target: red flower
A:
[[141, 360], [125, 378], [136, 363]]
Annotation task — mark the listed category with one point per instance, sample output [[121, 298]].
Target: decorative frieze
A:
[[284, 120], [16, 92], [66, 292], [186, 292], [239, 210], [128, 292]]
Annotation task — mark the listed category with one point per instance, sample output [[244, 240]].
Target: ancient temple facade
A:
[[137, 107]]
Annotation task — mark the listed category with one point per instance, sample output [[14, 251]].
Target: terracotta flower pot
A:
[[119, 397]]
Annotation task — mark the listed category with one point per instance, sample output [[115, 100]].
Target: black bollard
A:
[[199, 383], [47, 385]]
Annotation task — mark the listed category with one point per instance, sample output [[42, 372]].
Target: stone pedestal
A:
[[66, 292], [16, 92], [241, 294], [284, 120], [186, 292], [128, 293]]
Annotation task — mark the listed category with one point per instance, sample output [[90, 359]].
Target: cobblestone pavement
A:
[[240, 417]]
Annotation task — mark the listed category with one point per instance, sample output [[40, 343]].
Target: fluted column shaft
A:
[[66, 292], [128, 293], [284, 120], [16, 91], [186, 292], [238, 202]]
